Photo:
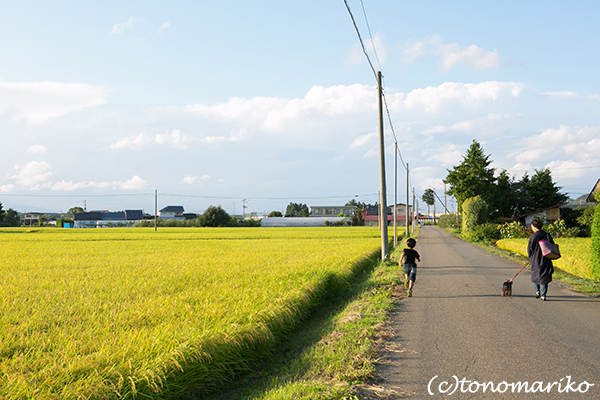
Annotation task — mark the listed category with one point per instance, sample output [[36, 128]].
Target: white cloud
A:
[[39, 101], [566, 169], [363, 140], [164, 26], [120, 28], [33, 175], [275, 114], [173, 139], [432, 99], [135, 183], [189, 179], [568, 94], [562, 136], [571, 95], [452, 55], [529, 156], [448, 155], [435, 130], [36, 149], [70, 186]]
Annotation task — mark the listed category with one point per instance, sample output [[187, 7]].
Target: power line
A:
[[370, 35], [373, 69], [360, 39]]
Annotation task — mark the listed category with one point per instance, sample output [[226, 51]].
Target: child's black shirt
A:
[[410, 256]]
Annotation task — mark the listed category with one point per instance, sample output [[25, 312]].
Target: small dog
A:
[[507, 288]]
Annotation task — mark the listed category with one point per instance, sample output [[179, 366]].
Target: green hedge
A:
[[474, 213], [595, 247]]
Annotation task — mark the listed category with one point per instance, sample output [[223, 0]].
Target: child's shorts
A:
[[411, 271]]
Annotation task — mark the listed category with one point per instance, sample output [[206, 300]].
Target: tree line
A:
[[505, 196]]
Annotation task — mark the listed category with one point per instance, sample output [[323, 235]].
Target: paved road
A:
[[458, 324]]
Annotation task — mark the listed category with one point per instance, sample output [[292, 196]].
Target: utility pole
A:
[[407, 187], [155, 208], [382, 201], [445, 206], [414, 225], [434, 196], [395, 194]]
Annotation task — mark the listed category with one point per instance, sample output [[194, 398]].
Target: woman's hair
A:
[[537, 223], [410, 242]]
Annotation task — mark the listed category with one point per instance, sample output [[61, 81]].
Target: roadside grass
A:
[[578, 284], [334, 354]]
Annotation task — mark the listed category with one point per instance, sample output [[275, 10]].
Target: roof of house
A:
[[541, 210], [129, 215], [591, 198], [172, 209], [134, 215]]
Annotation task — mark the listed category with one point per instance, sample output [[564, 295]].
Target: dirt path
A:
[[457, 327]]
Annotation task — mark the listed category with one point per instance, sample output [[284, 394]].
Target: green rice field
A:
[[132, 313]]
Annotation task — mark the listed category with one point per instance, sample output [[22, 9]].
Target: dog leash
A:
[[519, 271]]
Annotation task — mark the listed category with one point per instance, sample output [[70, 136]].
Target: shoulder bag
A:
[[549, 250]]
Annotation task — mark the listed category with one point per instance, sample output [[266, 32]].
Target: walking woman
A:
[[541, 267]]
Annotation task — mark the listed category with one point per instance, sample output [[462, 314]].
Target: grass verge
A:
[[335, 353]]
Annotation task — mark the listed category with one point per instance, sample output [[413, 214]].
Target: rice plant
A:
[[132, 313]]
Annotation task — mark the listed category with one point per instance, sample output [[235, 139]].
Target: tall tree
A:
[[75, 210], [1, 213], [429, 199], [214, 217], [11, 218], [472, 177], [543, 191], [297, 210]]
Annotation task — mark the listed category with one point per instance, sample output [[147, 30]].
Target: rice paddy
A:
[[132, 313]]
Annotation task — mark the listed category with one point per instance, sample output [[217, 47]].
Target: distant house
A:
[[550, 214], [332, 211], [171, 212], [96, 219], [371, 215], [31, 218]]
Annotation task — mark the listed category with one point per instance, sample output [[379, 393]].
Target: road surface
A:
[[458, 333]]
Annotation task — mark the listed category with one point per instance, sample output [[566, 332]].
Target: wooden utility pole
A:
[[382, 196], [407, 187], [395, 194], [155, 208], [414, 226]]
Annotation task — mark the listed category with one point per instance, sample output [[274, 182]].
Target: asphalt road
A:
[[457, 332]]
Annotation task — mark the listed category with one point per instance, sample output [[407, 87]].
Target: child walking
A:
[[410, 258]]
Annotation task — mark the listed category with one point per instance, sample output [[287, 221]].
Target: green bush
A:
[[585, 221], [474, 212], [449, 221], [487, 232], [595, 259]]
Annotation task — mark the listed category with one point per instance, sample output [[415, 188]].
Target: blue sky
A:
[[273, 102]]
